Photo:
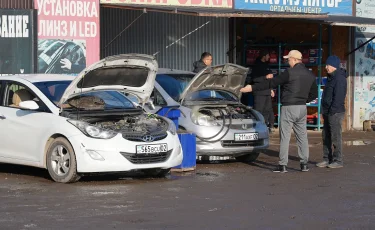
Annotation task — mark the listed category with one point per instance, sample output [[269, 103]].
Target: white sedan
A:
[[87, 124]]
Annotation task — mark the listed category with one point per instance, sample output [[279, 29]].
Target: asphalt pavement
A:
[[218, 195]]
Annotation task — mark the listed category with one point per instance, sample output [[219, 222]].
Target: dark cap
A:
[[333, 61]]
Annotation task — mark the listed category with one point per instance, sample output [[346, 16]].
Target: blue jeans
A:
[[332, 138]]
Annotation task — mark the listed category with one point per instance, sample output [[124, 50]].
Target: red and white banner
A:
[[189, 3], [68, 35]]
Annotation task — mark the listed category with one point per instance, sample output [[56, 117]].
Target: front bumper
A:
[[226, 146], [119, 154], [221, 148]]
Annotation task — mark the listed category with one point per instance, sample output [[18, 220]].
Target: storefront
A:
[[17, 37], [319, 29]]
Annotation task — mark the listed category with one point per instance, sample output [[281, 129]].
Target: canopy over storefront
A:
[[337, 20]]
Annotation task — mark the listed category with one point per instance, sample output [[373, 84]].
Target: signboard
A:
[[68, 35], [332, 7], [365, 9], [16, 41], [188, 3], [364, 83], [364, 78]]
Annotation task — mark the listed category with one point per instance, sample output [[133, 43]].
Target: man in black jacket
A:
[[333, 110], [263, 98], [298, 86], [206, 60]]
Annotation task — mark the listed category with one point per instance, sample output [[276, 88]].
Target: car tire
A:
[[248, 158], [61, 161], [157, 173]]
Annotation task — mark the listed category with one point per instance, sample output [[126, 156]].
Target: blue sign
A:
[[332, 7]]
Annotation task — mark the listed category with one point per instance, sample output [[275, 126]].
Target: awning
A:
[[338, 20], [215, 12]]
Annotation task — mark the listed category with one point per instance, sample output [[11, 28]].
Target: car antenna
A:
[[193, 31], [127, 27], [80, 96]]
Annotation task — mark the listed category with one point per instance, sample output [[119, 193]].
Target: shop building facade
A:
[[177, 32]]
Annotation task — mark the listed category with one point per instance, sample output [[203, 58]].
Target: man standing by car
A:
[[333, 110], [298, 86], [206, 60], [263, 98]]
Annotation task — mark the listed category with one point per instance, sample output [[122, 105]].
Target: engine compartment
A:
[[133, 125], [234, 111], [142, 124]]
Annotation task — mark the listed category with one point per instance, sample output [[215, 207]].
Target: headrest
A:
[[21, 95]]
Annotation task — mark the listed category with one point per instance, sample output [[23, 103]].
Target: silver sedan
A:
[[210, 108]]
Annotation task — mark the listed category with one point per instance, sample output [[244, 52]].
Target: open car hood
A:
[[131, 73], [228, 77]]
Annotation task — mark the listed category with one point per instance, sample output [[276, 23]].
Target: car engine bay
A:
[[228, 111], [142, 124], [133, 124], [223, 113]]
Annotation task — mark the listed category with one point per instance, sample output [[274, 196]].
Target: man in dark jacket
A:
[[263, 98], [206, 60], [333, 110], [298, 86]]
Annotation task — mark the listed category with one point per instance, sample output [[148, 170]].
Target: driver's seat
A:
[[20, 96]]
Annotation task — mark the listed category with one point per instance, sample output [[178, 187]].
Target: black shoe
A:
[[304, 168], [280, 169]]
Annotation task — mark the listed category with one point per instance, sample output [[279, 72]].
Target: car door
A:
[[21, 130]]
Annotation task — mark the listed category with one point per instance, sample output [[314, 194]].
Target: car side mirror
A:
[[150, 104], [29, 105]]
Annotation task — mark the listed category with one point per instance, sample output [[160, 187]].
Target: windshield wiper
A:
[[117, 108], [212, 99]]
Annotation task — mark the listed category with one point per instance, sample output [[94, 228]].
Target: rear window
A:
[[174, 84]]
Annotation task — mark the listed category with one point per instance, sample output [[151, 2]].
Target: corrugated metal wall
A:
[[153, 31], [16, 4]]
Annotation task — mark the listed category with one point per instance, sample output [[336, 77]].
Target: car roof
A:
[[33, 78], [173, 71]]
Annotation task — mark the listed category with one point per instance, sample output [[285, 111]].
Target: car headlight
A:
[[204, 120], [93, 131], [171, 126]]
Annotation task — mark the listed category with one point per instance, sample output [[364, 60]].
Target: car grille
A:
[[139, 138], [147, 158], [242, 127], [228, 144]]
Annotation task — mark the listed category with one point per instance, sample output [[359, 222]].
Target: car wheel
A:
[[61, 161], [248, 158], [158, 173]]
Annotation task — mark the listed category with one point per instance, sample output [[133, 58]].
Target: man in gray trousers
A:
[[298, 86]]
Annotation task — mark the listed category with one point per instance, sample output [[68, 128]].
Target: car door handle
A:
[[2, 117]]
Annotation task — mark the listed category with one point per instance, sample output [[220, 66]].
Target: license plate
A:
[[151, 149], [246, 136]]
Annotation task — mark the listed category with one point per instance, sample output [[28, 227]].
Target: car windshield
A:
[[54, 90], [175, 84]]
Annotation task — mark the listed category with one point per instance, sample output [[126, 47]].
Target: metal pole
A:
[[319, 72], [278, 90]]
